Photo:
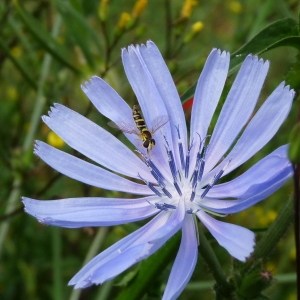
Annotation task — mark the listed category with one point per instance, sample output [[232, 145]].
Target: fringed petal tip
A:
[[28, 205], [287, 89], [246, 246], [37, 144], [149, 43], [290, 91], [36, 147], [256, 59], [53, 109], [90, 83], [221, 53], [133, 47], [50, 111], [237, 240], [250, 249]]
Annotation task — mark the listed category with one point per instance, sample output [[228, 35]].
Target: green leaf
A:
[[293, 76], [294, 147], [188, 94], [79, 29], [150, 269], [280, 33], [43, 36], [18, 64]]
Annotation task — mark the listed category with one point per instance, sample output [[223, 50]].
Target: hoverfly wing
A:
[[124, 127], [159, 122]]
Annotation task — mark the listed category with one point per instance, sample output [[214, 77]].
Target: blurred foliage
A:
[[48, 49]]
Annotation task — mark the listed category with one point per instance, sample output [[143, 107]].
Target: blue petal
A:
[[88, 173], [207, 95], [259, 193], [237, 240], [107, 100], [261, 128], [141, 249], [258, 183], [93, 141], [110, 104], [150, 102], [130, 243], [185, 262], [167, 90], [237, 109], [256, 177], [119, 264], [174, 223], [84, 212]]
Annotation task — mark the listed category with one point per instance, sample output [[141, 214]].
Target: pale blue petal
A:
[[174, 223], [93, 141], [119, 264], [150, 101], [257, 194], [139, 237], [85, 212], [237, 109], [107, 100], [140, 249], [185, 262], [88, 173], [257, 176], [167, 90], [261, 128], [110, 104], [208, 92], [237, 240]]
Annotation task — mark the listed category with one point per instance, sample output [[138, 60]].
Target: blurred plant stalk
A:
[[28, 142]]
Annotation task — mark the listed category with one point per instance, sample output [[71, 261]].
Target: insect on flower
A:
[[143, 132]]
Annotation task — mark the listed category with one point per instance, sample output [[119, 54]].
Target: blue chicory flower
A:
[[180, 175]]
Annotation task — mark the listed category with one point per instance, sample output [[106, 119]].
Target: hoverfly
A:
[[141, 129]]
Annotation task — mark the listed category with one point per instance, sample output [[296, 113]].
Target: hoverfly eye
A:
[[146, 144]]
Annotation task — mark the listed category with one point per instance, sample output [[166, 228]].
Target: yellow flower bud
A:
[[16, 51], [292, 254], [139, 8], [54, 140], [271, 215], [187, 8], [235, 6], [103, 10], [198, 26], [11, 92], [125, 18]]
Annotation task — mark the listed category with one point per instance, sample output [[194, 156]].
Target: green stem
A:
[[223, 288], [297, 223], [34, 122], [271, 237], [40, 99], [11, 204], [95, 246], [57, 267], [105, 290]]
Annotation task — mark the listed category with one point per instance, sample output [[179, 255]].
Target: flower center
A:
[[184, 187]]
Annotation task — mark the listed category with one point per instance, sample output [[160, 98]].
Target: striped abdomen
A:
[[139, 120]]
